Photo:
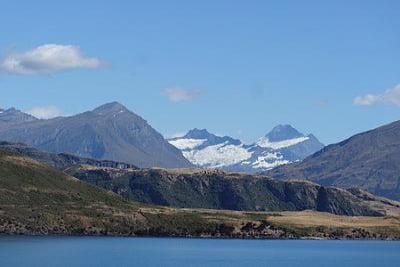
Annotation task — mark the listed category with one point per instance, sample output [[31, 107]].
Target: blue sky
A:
[[234, 67]]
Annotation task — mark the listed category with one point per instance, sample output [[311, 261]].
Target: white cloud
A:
[[366, 100], [390, 96], [179, 94], [48, 58], [45, 112]]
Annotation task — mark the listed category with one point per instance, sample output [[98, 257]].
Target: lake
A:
[[110, 251]]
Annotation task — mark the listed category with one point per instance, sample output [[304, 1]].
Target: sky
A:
[[236, 68]]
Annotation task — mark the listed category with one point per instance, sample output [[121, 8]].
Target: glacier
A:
[[282, 145]]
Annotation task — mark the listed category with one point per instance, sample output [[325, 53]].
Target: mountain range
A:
[[369, 160], [282, 145], [110, 132]]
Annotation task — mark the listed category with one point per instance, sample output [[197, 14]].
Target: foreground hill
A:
[[109, 132], [37, 199], [369, 160], [282, 145]]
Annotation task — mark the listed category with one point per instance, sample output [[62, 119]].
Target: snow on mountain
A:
[[282, 145], [265, 142], [218, 156], [184, 144], [269, 160]]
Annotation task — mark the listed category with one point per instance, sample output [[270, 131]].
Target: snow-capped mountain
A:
[[282, 145]]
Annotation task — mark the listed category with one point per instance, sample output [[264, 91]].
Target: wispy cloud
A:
[[47, 112], [179, 94], [48, 58], [176, 135], [321, 103], [390, 96]]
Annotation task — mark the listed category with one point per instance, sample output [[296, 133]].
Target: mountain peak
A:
[[11, 110], [111, 107], [198, 134], [208, 138], [283, 132], [13, 115]]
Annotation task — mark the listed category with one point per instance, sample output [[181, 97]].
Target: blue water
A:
[[108, 251]]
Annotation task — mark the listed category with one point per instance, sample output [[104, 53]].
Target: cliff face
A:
[[221, 190]]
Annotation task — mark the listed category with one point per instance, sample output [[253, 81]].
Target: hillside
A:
[[110, 132], [221, 190], [61, 161], [369, 160], [38, 200]]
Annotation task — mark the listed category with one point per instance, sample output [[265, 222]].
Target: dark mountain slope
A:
[[369, 160], [60, 161], [108, 132], [220, 190]]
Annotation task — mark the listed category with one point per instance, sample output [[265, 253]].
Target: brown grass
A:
[[314, 219]]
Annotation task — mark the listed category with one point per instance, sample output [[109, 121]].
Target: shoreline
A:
[[2, 235]]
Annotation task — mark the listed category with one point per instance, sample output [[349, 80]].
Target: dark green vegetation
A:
[[369, 160], [108, 132], [220, 190], [37, 199]]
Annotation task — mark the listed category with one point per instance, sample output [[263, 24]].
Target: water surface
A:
[[110, 251]]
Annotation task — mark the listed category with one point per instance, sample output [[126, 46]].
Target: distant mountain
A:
[[282, 145], [369, 160], [110, 132]]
